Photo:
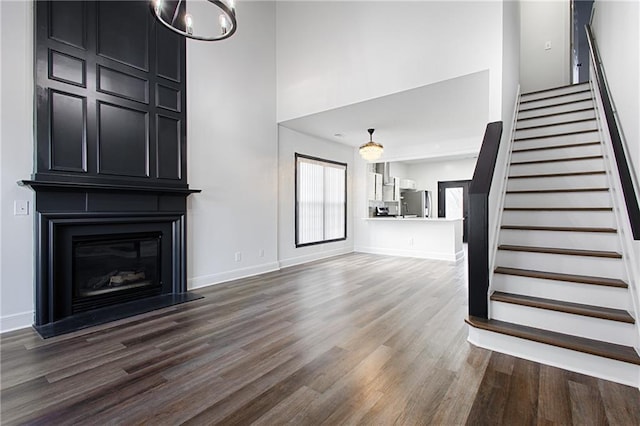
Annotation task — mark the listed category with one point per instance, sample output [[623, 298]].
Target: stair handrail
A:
[[478, 241], [628, 190]]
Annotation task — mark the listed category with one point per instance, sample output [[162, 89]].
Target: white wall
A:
[[615, 27], [233, 150], [542, 22], [428, 174], [16, 159], [332, 54], [290, 142]]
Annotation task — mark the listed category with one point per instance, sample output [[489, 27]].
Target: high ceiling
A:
[[434, 115]]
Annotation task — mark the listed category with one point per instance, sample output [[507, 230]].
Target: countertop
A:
[[410, 219]]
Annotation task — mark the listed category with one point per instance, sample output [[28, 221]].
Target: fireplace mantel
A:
[[82, 186]]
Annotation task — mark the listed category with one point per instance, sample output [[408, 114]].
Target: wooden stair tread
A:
[[535, 92], [555, 96], [555, 114], [559, 228], [541, 126], [554, 250], [566, 307], [567, 174], [570, 145], [559, 209], [555, 105], [566, 341], [556, 160], [555, 276], [559, 190], [555, 135]]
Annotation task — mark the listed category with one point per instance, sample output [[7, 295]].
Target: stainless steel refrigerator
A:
[[416, 203]]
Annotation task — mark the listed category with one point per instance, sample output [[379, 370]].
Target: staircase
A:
[[559, 286]]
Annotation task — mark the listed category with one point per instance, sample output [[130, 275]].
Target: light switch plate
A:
[[21, 208]]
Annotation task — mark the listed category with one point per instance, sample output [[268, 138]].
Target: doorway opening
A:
[[580, 16], [453, 202]]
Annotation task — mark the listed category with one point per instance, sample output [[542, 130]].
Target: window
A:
[[321, 200]]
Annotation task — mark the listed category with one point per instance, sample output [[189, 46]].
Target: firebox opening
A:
[[116, 268]]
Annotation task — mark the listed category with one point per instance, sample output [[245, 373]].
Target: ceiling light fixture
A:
[[371, 150], [196, 19]]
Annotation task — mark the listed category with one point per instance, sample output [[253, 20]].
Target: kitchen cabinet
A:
[[374, 186], [407, 184]]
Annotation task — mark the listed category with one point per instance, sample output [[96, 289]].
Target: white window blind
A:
[[321, 200]]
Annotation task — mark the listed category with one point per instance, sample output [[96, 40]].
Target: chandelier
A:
[[371, 150], [207, 20]]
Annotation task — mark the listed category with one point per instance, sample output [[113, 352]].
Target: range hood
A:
[[383, 169]]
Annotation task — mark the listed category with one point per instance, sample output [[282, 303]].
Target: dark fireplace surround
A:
[[75, 223], [110, 164]]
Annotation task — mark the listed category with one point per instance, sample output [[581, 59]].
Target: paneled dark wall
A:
[[110, 95]]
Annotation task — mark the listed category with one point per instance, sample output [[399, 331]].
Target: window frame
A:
[[297, 205]]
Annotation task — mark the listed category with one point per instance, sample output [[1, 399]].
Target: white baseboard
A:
[[603, 368], [16, 321], [453, 257], [285, 263], [207, 280]]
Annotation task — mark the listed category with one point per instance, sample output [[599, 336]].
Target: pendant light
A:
[[207, 20], [371, 150]]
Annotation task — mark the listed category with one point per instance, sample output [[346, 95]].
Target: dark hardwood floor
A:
[[359, 338]]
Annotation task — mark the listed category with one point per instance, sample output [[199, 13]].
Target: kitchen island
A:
[[427, 238]]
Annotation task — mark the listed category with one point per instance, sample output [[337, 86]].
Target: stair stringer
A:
[[501, 191], [630, 247]]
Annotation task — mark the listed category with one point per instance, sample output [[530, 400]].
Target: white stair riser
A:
[[557, 129], [586, 294], [561, 239], [555, 92], [549, 154], [554, 119], [554, 101], [560, 322], [588, 165], [524, 113], [562, 182], [563, 264], [559, 199], [557, 140], [596, 219]]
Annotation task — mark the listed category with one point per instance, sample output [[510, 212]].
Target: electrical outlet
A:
[[261, 253], [411, 241], [547, 46], [21, 207], [238, 256]]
